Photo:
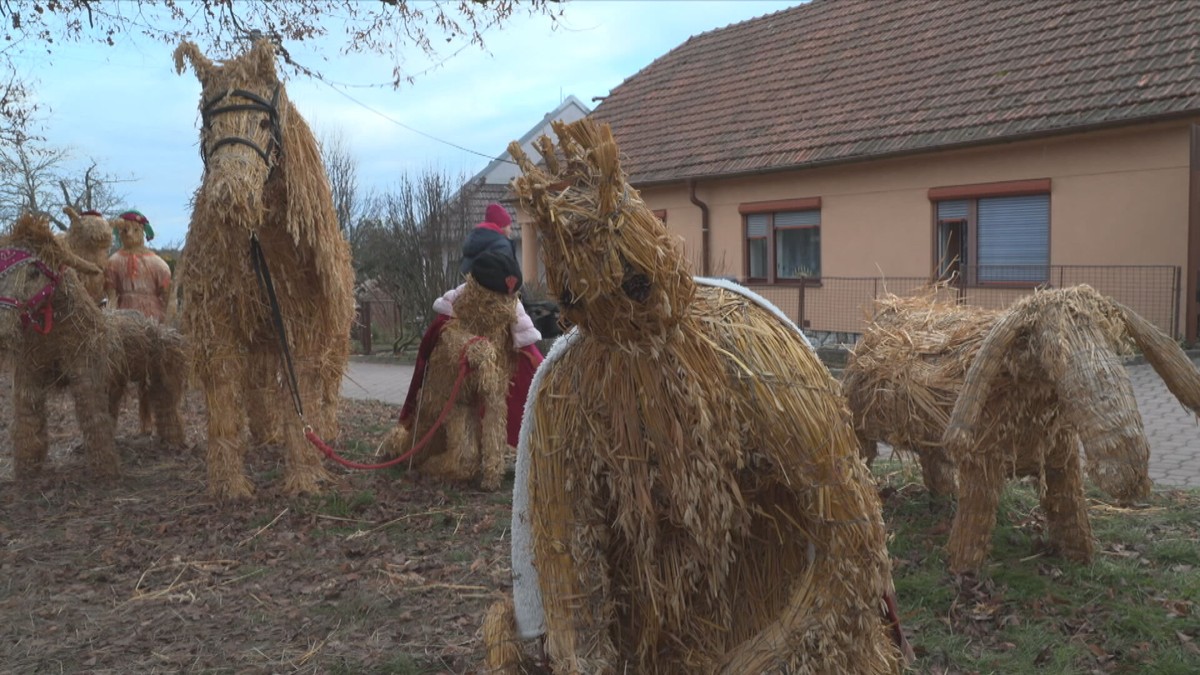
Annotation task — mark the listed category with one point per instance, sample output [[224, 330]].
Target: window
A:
[[783, 240], [999, 235]]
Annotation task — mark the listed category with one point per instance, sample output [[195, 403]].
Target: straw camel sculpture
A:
[[62, 338], [89, 236], [687, 476], [470, 446], [985, 395], [263, 178], [136, 278]]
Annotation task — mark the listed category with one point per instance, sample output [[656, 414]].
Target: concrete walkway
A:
[[1171, 429]]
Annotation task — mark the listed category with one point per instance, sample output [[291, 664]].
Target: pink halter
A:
[[10, 260]]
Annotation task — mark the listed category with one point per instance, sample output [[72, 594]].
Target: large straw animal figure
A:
[[470, 446], [263, 182], [89, 236], [61, 338], [991, 395], [694, 493]]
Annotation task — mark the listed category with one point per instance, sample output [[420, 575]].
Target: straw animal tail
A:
[[1165, 356]]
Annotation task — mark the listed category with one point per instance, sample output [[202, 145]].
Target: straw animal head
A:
[[617, 272], [88, 230], [19, 283], [241, 106]]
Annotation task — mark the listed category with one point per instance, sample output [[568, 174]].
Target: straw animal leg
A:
[[166, 393], [500, 636], [570, 570], [868, 449], [226, 454], [262, 396], [30, 437], [1063, 502], [145, 408], [982, 479], [493, 439], [937, 471], [303, 471], [461, 455], [331, 388], [95, 421]]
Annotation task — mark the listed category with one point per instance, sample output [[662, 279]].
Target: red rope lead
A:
[[463, 369]]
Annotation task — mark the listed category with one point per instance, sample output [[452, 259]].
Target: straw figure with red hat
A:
[[489, 241], [136, 277]]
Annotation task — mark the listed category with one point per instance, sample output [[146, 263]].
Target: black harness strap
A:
[[263, 274]]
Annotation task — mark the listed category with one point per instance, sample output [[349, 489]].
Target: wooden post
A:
[[364, 335]]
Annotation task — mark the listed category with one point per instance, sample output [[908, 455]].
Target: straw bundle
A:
[[905, 373], [696, 500], [283, 197], [93, 353], [468, 447], [89, 236]]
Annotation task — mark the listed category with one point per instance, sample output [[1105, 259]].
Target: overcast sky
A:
[[125, 107]]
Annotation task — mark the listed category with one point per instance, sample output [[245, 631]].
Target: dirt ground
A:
[[383, 574]]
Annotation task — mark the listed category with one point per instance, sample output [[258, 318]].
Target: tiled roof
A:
[[841, 80]]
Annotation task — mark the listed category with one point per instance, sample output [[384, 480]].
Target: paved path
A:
[[1172, 430]]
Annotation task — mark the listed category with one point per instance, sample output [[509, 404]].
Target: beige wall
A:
[[1118, 197]]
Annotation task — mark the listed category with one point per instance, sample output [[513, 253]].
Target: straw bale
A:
[[285, 200], [94, 354], [696, 498], [90, 237], [469, 447]]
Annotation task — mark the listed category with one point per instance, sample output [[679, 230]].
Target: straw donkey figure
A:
[[989, 395], [89, 236], [469, 447], [694, 499], [62, 338], [263, 183]]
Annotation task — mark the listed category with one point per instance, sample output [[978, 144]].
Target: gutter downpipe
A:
[[704, 270]]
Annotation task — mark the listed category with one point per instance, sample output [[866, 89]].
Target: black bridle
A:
[[255, 103]]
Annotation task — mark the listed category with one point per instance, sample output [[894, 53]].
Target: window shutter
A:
[[1014, 238], [797, 219], [952, 210], [756, 225]]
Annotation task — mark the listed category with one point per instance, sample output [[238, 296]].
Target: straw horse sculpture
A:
[[264, 192], [984, 395], [470, 446], [688, 474], [62, 338], [89, 236]]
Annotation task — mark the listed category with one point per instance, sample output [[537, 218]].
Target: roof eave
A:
[[854, 159]]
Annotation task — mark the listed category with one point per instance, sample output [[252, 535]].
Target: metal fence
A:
[[838, 309]]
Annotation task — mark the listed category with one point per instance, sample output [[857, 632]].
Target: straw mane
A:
[[92, 353], [263, 177], [988, 395], [694, 498]]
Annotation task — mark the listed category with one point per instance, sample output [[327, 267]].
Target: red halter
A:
[[10, 260]]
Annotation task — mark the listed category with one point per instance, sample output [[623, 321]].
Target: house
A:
[[826, 152], [491, 184]]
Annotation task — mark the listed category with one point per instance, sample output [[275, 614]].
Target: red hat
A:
[[497, 214]]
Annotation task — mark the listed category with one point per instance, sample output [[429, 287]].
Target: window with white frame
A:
[[783, 245]]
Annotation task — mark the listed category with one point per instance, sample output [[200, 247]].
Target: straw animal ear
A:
[[200, 63], [263, 56], [71, 213]]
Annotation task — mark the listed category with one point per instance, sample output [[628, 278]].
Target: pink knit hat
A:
[[497, 214]]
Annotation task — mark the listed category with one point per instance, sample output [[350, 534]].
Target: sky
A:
[[126, 109]]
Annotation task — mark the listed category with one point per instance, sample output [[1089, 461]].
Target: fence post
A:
[[800, 305], [364, 335]]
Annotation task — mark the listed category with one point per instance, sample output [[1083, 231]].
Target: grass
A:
[[1134, 609]]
